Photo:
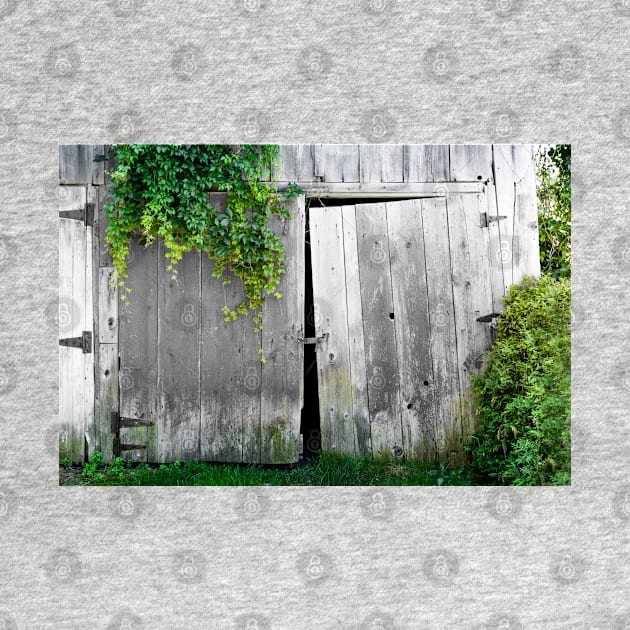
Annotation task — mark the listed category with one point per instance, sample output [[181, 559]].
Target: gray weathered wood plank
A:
[[411, 323], [381, 163], [471, 162], [494, 258], [106, 399], [72, 322], [358, 369], [107, 305], [426, 163], [76, 164], [378, 328], [138, 350], [472, 293], [516, 197], [281, 374], [331, 326], [100, 226], [336, 162], [448, 432], [178, 357], [98, 168], [222, 387]]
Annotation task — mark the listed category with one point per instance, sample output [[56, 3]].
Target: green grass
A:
[[326, 470]]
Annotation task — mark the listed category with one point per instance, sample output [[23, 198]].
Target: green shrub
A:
[[523, 395], [553, 190]]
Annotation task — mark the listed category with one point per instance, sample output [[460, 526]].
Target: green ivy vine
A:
[[161, 192]]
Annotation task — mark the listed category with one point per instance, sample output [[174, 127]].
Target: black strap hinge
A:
[[86, 215], [119, 422], [84, 342], [485, 220], [487, 319]]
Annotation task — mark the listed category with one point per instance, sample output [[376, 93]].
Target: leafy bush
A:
[[523, 395], [554, 209]]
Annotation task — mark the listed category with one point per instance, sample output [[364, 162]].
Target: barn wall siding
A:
[[388, 386]]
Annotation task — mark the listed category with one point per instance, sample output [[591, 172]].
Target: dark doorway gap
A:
[[353, 201], [309, 423]]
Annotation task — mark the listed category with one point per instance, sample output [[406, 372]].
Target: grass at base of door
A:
[[326, 470]]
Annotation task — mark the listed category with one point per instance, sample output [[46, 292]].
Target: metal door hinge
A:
[[487, 319], [84, 342], [117, 447], [119, 422], [86, 215], [485, 220]]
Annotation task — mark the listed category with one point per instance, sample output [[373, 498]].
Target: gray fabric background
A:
[[263, 70]]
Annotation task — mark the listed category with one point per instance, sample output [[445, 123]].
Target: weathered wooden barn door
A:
[[192, 386], [398, 289]]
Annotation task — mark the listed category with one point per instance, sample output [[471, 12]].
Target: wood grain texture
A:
[[282, 373], [471, 162], [426, 163], [76, 163], [336, 162], [381, 162], [104, 257], [472, 292], [331, 326], [442, 324], [138, 350], [222, 388], [106, 399], [496, 267], [412, 327], [516, 197], [107, 305], [378, 328], [178, 358], [358, 369], [75, 408]]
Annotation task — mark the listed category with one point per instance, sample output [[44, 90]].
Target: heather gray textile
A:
[[262, 70]]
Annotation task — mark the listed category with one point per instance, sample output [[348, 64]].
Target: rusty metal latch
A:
[[84, 342]]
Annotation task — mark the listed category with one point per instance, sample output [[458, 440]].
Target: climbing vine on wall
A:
[[161, 192]]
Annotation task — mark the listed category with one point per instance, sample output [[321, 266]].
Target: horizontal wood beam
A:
[[385, 190]]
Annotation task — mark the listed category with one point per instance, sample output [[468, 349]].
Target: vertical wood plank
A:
[[178, 358], [426, 163], [138, 350], [358, 370], [471, 162], [106, 396], [494, 258], [442, 325], [331, 325], [104, 195], [222, 386], [107, 305], [98, 168], [378, 328], [516, 197], [72, 319], [282, 373], [76, 163], [472, 291], [337, 162], [381, 162], [411, 323], [88, 359], [251, 385]]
